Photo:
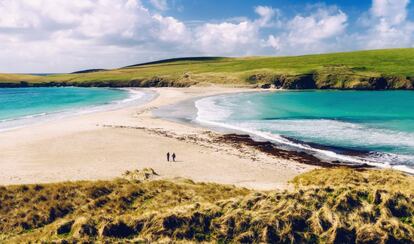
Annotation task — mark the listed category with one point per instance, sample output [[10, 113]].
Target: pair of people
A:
[[172, 156]]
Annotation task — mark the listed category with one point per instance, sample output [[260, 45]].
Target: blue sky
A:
[[64, 36], [206, 10]]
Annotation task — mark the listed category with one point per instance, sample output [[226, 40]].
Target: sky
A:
[[53, 36]]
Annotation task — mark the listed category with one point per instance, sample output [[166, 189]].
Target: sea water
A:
[[20, 106], [378, 123]]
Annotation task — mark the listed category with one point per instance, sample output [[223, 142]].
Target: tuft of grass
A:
[[389, 180], [327, 206]]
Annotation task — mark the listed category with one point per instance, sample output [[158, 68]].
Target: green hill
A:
[[326, 206], [375, 69]]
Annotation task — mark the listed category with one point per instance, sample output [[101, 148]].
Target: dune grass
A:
[[354, 68], [327, 206]]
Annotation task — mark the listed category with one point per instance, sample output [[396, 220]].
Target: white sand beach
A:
[[103, 145]]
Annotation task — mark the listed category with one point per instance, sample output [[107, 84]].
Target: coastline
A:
[[185, 112], [312, 153], [135, 98], [104, 144]]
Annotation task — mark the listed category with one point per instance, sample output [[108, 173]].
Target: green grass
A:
[[354, 68], [327, 206]]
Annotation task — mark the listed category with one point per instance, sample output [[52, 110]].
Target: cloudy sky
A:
[[39, 36]]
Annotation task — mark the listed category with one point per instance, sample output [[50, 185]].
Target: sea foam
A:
[[222, 111]]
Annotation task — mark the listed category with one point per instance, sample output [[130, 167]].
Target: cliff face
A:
[[333, 78], [325, 77], [151, 82], [316, 80]]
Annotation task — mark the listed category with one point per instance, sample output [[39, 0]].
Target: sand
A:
[[103, 145]]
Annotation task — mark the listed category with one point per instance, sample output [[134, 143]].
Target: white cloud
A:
[[273, 42], [387, 26], [225, 38], [318, 31], [391, 11], [62, 36], [35, 14], [160, 4], [171, 30], [81, 34], [266, 14], [238, 37], [323, 24]]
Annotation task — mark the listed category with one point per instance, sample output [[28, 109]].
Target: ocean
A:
[[374, 127], [22, 106]]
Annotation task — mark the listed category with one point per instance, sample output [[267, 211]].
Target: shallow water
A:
[[20, 102], [378, 122], [24, 106]]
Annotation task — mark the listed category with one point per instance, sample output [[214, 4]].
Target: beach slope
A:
[[102, 145]]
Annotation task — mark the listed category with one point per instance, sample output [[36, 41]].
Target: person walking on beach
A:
[[168, 156], [173, 157]]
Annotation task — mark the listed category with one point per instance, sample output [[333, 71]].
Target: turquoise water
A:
[[18, 103], [379, 122]]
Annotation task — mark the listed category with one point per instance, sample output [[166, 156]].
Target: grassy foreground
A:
[[377, 69], [327, 205]]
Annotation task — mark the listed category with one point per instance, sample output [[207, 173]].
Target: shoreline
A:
[[185, 112], [103, 145], [311, 153], [145, 117], [46, 116]]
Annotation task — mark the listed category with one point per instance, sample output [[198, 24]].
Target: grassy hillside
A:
[[327, 206], [376, 69]]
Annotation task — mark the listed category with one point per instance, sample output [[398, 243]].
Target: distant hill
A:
[[374, 69], [88, 71], [172, 60]]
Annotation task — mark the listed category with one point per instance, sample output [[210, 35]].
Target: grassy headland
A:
[[327, 206], [376, 69]]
